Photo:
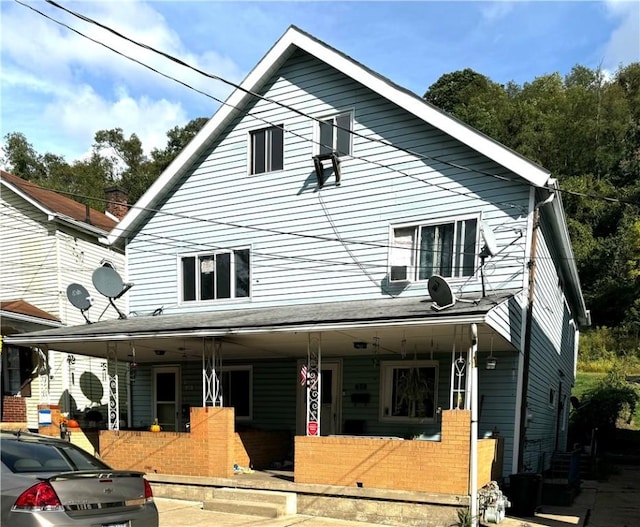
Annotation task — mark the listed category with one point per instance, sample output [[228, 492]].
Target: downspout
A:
[[473, 443], [528, 324]]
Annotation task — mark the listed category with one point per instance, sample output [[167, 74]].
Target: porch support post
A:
[[313, 385], [44, 371], [211, 372], [112, 377], [473, 440]]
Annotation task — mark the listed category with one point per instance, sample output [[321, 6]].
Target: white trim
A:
[[386, 391], [28, 318], [293, 38]]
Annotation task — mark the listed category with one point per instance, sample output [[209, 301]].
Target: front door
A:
[[330, 399], [166, 397]]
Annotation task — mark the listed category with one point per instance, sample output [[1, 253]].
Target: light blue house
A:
[[300, 231]]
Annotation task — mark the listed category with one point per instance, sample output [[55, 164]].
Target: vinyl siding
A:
[[40, 258], [552, 359], [309, 246]]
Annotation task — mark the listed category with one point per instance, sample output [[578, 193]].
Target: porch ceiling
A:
[[279, 332]]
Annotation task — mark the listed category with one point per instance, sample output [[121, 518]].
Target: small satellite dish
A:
[[490, 245], [108, 282], [440, 293], [80, 298]]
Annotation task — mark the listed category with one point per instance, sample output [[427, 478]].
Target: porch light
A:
[[160, 352], [360, 345], [492, 362]]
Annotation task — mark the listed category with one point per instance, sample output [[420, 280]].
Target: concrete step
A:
[[250, 508], [270, 504]]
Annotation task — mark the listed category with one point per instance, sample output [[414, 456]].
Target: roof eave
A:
[[291, 39]]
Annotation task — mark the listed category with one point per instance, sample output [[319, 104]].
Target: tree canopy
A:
[[585, 129]]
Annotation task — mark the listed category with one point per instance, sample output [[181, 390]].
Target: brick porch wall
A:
[[14, 409], [423, 466], [208, 450]]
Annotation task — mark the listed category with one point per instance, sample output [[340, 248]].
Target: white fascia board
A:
[[186, 333], [227, 110], [566, 253], [524, 168], [18, 191], [10, 315], [54, 216]]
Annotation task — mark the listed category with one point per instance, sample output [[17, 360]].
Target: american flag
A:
[[303, 375]]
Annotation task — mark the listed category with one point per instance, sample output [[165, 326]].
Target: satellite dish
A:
[[108, 282], [80, 298], [490, 245], [440, 293]]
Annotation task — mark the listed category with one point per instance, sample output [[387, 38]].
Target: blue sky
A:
[[59, 88]]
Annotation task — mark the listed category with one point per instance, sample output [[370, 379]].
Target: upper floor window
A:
[[216, 275], [447, 249], [334, 134], [267, 150]]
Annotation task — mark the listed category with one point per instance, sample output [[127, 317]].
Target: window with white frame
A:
[[409, 390], [445, 248], [215, 275], [334, 134], [267, 150], [237, 390]]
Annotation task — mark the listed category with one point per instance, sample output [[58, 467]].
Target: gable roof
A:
[[59, 206], [294, 39]]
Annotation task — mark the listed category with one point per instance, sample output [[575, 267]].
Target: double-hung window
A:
[[409, 390], [267, 150], [215, 275], [334, 134], [447, 249]]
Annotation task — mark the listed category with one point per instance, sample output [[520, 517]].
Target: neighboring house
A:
[[48, 241], [290, 248]]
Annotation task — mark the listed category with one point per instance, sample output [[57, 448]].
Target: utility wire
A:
[[299, 112]]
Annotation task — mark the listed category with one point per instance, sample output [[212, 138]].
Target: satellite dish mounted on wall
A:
[[80, 298], [108, 283], [440, 293]]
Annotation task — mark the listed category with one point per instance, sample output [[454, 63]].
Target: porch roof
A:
[[273, 331]]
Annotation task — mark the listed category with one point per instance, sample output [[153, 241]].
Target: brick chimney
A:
[[116, 201]]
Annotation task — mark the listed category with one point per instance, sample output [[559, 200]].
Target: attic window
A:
[[267, 150], [334, 134]]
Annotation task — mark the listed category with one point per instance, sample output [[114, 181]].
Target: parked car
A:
[[48, 481]]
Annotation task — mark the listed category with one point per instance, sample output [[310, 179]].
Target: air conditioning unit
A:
[[399, 273]]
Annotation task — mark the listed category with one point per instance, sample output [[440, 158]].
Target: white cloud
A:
[[493, 11], [623, 46], [65, 86]]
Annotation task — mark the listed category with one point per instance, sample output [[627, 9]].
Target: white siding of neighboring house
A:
[[40, 258], [283, 210]]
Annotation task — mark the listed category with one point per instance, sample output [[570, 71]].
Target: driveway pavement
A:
[[612, 503]]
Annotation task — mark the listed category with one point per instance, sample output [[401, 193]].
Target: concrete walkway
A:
[[612, 503]]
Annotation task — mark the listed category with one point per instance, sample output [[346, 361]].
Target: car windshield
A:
[[30, 455]]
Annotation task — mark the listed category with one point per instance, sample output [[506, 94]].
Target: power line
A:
[[299, 112]]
